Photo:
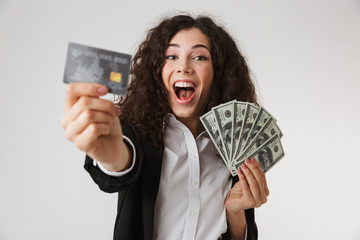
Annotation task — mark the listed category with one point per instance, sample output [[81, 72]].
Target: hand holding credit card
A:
[[94, 65]]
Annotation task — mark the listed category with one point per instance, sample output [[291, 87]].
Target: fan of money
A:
[[241, 130]]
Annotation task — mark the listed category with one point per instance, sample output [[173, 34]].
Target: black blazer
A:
[[137, 192]]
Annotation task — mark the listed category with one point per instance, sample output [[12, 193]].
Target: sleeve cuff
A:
[[246, 232], [122, 173]]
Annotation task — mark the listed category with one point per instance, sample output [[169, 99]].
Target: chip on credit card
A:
[[94, 65]]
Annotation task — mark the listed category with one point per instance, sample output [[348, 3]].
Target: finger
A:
[[261, 171], [253, 185], [243, 184], [88, 103], [260, 178], [75, 90], [86, 118], [250, 201], [86, 141]]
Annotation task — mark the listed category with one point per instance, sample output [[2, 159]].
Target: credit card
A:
[[94, 65]]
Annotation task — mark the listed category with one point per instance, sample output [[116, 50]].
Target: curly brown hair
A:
[[146, 103]]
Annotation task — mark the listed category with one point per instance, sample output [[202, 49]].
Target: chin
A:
[[183, 113], [189, 114]]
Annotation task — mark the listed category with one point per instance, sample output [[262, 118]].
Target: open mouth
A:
[[184, 90]]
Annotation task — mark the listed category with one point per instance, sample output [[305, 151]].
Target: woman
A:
[[171, 182]]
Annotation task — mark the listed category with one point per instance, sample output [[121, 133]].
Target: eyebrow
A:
[[193, 47]]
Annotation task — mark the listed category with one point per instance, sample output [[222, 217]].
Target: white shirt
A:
[[193, 187], [194, 184]]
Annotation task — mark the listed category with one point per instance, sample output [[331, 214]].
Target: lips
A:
[[184, 91]]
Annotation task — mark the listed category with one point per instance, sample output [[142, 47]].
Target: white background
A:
[[305, 58]]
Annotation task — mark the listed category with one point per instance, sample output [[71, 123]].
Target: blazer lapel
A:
[[151, 178]]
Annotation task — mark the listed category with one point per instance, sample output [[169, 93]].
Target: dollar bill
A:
[[260, 120], [239, 119], [269, 129], [250, 117], [241, 130], [224, 117], [267, 154], [211, 126]]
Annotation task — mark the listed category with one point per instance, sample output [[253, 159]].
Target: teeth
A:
[[184, 84]]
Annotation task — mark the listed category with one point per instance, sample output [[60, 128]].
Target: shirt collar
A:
[[171, 120]]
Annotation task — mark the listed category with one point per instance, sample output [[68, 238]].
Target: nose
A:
[[184, 67]]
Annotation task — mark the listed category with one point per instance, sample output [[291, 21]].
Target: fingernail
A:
[[240, 171], [102, 90], [253, 160], [247, 161], [117, 111], [244, 166]]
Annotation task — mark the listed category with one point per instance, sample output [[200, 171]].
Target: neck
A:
[[194, 125]]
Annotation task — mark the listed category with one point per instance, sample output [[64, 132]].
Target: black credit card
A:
[[94, 65]]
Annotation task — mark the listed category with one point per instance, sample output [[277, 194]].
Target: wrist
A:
[[236, 223], [123, 160]]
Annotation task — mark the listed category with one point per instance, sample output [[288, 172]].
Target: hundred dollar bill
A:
[[250, 117], [211, 126], [269, 129], [224, 117], [266, 132], [260, 120], [239, 117], [267, 154]]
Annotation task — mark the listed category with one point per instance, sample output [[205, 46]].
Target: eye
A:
[[171, 57], [200, 58]]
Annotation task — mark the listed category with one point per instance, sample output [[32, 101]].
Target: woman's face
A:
[[188, 73]]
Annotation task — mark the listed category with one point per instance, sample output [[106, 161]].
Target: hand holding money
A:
[[241, 130], [251, 191]]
